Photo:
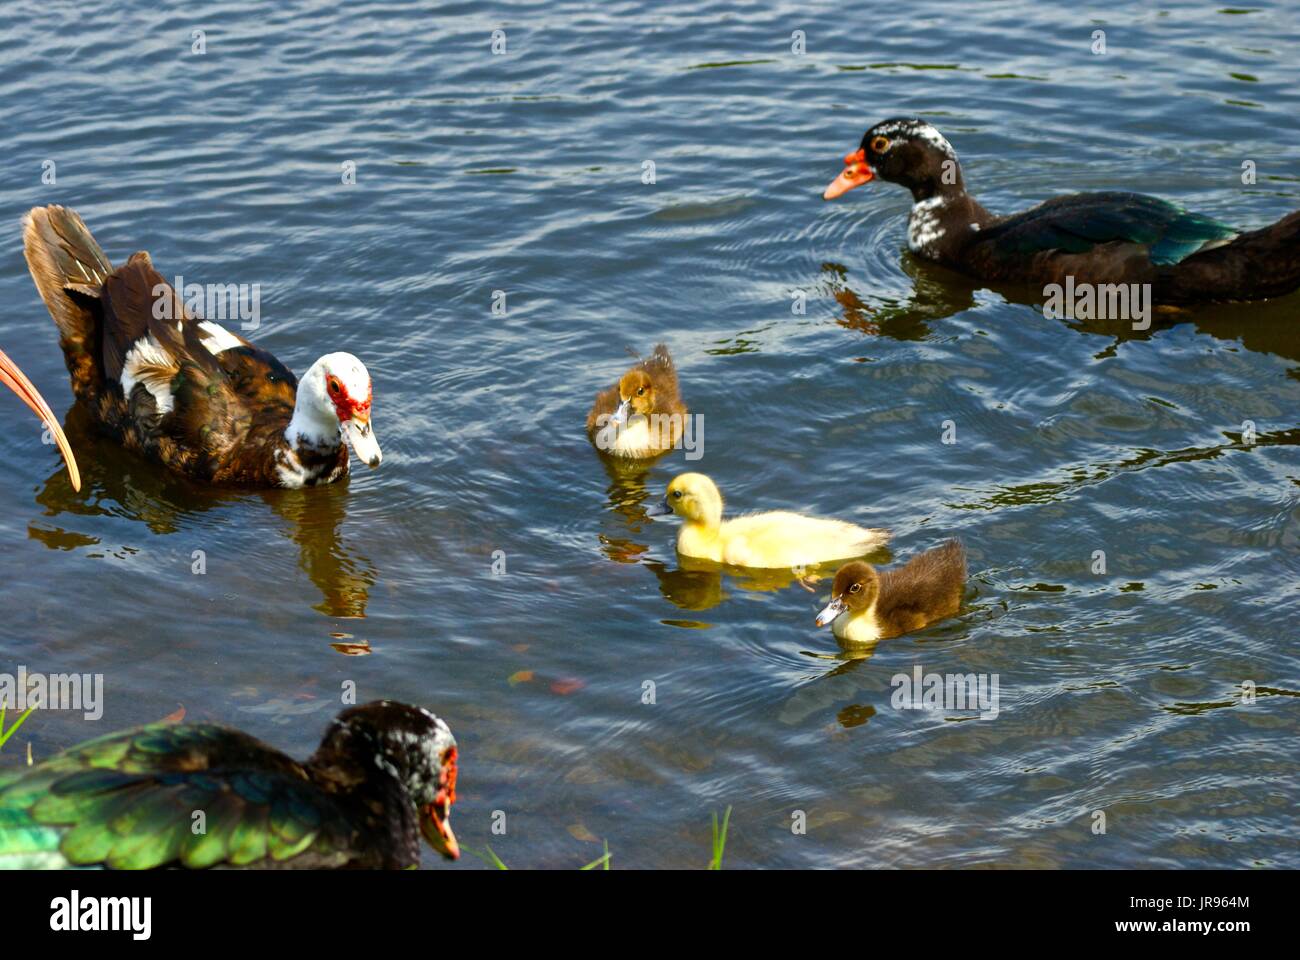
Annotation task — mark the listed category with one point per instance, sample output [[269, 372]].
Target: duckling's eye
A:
[[879, 144], [640, 391], [857, 587], [677, 494]]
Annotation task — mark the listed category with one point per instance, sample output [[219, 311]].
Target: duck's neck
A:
[[315, 452], [857, 626], [367, 789], [944, 218], [309, 427]]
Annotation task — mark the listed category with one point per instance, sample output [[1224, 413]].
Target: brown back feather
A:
[[68, 268], [926, 588]]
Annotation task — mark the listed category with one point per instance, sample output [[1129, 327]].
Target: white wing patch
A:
[[148, 364], [218, 337]]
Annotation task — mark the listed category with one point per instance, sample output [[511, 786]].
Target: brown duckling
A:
[[867, 606], [642, 415]]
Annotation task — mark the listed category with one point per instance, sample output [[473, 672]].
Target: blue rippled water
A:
[[522, 173]]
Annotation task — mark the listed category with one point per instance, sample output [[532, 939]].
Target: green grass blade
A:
[[489, 857], [599, 860], [719, 839], [6, 734]]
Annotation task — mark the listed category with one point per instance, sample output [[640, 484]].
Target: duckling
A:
[[762, 540], [867, 606], [642, 415]]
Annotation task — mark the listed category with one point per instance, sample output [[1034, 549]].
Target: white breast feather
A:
[[923, 226]]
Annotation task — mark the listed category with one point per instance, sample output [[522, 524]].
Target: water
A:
[[522, 173]]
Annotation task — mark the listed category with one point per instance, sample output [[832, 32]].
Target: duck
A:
[[183, 391], [641, 416], [12, 376], [383, 776], [1092, 238], [869, 605], [758, 540]]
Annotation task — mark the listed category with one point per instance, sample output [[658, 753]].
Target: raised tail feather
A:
[[1255, 266], [69, 268]]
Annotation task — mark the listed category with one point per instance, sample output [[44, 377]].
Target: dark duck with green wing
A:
[[185, 391], [384, 774], [1093, 238]]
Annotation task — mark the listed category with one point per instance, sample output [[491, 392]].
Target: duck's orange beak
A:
[[856, 173], [17, 381]]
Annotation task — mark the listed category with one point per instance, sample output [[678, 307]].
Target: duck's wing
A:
[[208, 386], [192, 795], [1079, 222]]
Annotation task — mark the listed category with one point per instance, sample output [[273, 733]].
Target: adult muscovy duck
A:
[[185, 391], [1096, 238], [384, 774], [13, 378]]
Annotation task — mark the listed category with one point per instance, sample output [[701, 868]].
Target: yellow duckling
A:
[[763, 540], [867, 606]]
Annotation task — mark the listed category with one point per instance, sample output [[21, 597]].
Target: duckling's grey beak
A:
[[622, 413], [659, 509], [833, 610]]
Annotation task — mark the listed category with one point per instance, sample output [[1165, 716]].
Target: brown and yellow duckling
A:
[[867, 605], [642, 415]]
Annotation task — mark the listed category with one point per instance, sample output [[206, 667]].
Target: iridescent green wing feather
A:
[[184, 795], [1077, 223]]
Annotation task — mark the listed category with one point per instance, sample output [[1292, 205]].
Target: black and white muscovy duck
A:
[[13, 378], [383, 776], [187, 392], [1096, 238]]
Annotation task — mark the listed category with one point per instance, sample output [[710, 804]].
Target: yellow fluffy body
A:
[[761, 540]]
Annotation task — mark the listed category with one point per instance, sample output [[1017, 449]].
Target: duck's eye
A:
[[333, 385], [879, 144], [855, 588], [677, 494], [640, 391]]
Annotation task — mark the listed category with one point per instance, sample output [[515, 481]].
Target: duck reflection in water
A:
[[1265, 326], [116, 483]]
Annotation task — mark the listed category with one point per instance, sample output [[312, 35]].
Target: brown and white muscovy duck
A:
[[187, 392], [13, 378], [1096, 238], [383, 776]]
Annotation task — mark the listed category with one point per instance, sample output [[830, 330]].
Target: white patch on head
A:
[[148, 351], [923, 228], [218, 337], [315, 419], [384, 764], [917, 130]]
